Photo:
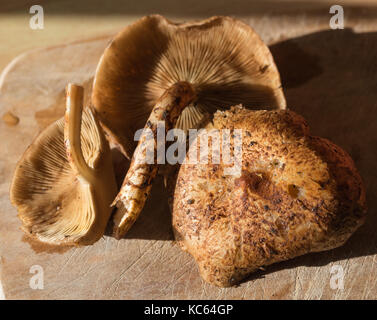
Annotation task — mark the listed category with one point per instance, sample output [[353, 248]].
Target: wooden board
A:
[[329, 76]]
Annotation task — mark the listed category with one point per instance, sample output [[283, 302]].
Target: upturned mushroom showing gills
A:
[[295, 194], [222, 58], [64, 183]]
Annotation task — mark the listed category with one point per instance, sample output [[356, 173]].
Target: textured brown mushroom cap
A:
[[296, 194], [54, 203], [224, 59]]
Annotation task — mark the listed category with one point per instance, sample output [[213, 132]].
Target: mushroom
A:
[[64, 183], [295, 194], [223, 61], [222, 58]]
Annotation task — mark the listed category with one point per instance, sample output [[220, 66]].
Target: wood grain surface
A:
[[329, 76]]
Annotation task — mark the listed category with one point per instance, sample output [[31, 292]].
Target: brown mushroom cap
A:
[[222, 58], [59, 200], [295, 194]]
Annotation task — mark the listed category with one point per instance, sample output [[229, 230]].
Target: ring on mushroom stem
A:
[[138, 181], [64, 183]]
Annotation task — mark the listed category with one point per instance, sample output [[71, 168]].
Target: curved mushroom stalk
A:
[[89, 156], [138, 181], [72, 134], [64, 184]]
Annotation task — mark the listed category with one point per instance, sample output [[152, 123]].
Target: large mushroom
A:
[[64, 183], [221, 59], [295, 193]]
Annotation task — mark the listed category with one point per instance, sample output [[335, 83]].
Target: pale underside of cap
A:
[[224, 59], [54, 205]]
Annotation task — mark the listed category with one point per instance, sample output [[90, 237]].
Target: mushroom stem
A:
[[138, 181], [72, 132]]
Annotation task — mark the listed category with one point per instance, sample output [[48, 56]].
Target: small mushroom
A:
[[222, 58], [295, 194], [64, 183]]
